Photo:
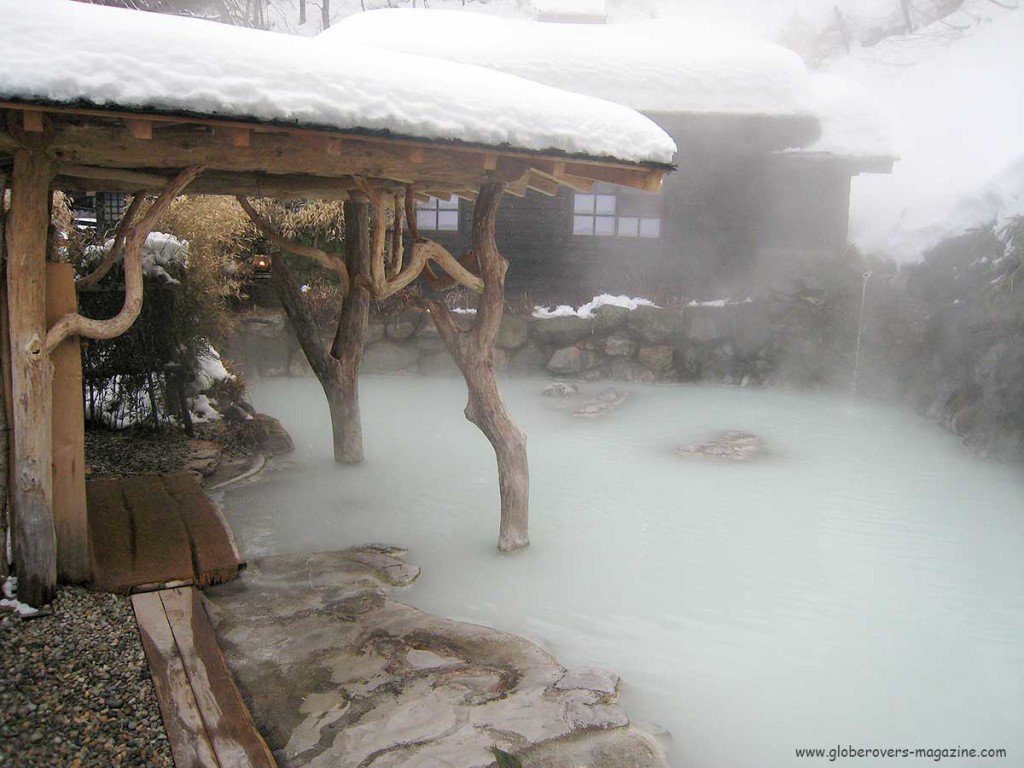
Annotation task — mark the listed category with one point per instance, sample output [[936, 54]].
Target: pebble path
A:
[[75, 690]]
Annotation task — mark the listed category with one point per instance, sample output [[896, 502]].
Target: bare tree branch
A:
[[424, 251], [116, 249], [75, 324], [323, 258]]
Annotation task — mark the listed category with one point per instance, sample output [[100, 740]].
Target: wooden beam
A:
[[542, 184], [240, 137], [32, 122], [140, 129], [281, 150], [646, 180], [576, 183], [123, 179], [31, 378]]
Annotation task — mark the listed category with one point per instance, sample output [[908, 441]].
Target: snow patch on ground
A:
[[588, 309], [68, 52], [10, 602]]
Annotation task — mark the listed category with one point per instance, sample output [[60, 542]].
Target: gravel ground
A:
[[75, 689], [134, 451]]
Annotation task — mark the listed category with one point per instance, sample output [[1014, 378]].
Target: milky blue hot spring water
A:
[[863, 584]]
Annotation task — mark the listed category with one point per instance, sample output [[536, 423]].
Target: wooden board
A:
[[110, 535], [214, 554], [206, 719], [162, 550], [186, 731]]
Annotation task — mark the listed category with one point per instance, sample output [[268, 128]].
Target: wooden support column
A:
[[69, 507], [350, 338], [31, 378], [473, 352], [5, 391]]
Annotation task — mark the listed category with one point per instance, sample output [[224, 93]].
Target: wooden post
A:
[[473, 352], [347, 348], [69, 507], [4, 392], [31, 378]]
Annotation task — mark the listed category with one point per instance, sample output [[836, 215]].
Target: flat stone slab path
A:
[[337, 674], [207, 722], [151, 530]]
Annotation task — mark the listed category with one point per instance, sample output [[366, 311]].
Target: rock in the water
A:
[[735, 446], [355, 678], [604, 402], [273, 438], [560, 389]]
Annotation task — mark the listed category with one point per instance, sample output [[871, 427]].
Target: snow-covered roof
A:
[[852, 124], [663, 65], [63, 52]]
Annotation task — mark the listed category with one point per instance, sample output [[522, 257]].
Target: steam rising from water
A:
[[862, 585]]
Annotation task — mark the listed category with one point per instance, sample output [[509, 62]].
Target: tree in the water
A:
[[482, 270], [337, 366]]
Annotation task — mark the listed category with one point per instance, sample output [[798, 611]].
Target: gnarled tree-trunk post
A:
[[350, 338], [336, 369], [473, 352], [31, 377]]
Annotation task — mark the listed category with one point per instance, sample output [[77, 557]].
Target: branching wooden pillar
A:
[[473, 352], [336, 369], [347, 348], [31, 377]]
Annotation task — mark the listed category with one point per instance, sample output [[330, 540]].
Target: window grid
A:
[[598, 215], [438, 215]]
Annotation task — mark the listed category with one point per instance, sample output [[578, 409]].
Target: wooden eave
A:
[[854, 165], [118, 150]]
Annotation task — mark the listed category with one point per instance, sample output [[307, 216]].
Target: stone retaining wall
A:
[[782, 341]]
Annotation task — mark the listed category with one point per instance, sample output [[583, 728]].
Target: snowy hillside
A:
[[954, 92]]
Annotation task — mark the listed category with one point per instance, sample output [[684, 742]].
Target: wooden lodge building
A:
[[764, 162], [739, 199]]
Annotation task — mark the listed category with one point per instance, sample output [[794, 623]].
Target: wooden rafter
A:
[[93, 137]]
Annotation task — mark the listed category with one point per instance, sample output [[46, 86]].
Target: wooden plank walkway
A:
[[149, 531], [207, 722]]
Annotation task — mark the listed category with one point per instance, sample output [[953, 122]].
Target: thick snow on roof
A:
[[954, 92], [852, 124], [67, 52], [667, 65]]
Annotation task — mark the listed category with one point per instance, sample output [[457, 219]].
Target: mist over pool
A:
[[860, 584]]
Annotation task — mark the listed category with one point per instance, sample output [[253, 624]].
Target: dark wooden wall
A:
[[732, 200]]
